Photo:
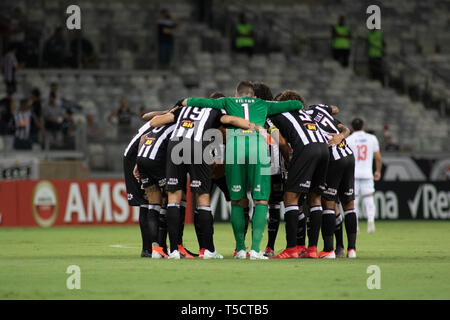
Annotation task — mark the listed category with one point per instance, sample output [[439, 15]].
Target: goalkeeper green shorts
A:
[[247, 168]]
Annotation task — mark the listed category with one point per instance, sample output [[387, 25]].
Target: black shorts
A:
[[199, 174], [151, 172], [221, 183], [135, 193], [308, 169], [341, 180], [276, 189]]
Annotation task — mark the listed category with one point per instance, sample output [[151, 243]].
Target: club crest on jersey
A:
[[311, 126], [149, 141], [187, 124]]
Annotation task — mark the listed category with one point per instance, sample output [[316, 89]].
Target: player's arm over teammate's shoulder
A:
[[237, 122], [150, 115], [205, 103], [275, 107], [338, 137], [166, 117]]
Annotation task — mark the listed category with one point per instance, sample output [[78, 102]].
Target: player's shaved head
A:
[[357, 124], [291, 95], [216, 95], [262, 91], [245, 89]]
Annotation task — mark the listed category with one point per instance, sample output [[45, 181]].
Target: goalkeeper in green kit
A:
[[247, 164]]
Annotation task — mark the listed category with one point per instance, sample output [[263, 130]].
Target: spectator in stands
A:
[[36, 109], [68, 128], [166, 28], [10, 65], [16, 31], [93, 131], [388, 145], [243, 36], [24, 119], [6, 113], [341, 41], [375, 52], [82, 50], [53, 115], [123, 114], [55, 50]]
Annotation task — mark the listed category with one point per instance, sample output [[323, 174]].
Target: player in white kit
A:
[[365, 147]]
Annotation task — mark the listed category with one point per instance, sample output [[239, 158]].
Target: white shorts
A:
[[364, 187]]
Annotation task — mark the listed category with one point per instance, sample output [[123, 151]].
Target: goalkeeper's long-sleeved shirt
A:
[[252, 109]]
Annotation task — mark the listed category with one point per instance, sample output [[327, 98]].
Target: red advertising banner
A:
[[48, 203]]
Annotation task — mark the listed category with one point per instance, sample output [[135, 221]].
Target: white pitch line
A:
[[122, 246]]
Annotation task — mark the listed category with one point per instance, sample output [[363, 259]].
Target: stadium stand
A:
[[292, 52]]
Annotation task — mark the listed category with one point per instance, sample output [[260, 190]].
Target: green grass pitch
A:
[[413, 256]]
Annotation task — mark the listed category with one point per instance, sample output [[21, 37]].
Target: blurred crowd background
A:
[[83, 91]]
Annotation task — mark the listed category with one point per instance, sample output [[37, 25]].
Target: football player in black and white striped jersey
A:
[[189, 143], [306, 174], [340, 182]]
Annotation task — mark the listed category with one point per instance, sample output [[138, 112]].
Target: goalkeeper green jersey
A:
[[253, 109]]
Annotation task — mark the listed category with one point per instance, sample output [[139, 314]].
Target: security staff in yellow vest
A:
[[341, 41], [243, 40], [375, 51]]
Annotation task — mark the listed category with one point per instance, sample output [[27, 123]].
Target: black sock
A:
[[182, 217], [162, 232], [291, 222], [247, 220], [338, 232], [273, 225], [328, 226], [153, 223], [301, 229], [173, 224], [315, 222], [198, 230], [350, 228], [143, 226], [206, 222]]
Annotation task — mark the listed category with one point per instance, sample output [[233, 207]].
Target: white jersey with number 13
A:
[[363, 145]]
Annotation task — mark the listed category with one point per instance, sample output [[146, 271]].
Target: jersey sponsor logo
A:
[[196, 183], [257, 188], [45, 204], [311, 126], [144, 180], [342, 144], [149, 141], [236, 188], [187, 124], [172, 181]]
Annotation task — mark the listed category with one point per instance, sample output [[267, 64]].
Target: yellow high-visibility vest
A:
[[375, 43], [339, 42], [242, 40]]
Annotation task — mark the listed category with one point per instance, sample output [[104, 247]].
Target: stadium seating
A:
[[203, 63]]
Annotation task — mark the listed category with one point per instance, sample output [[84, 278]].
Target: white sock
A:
[[369, 207]]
